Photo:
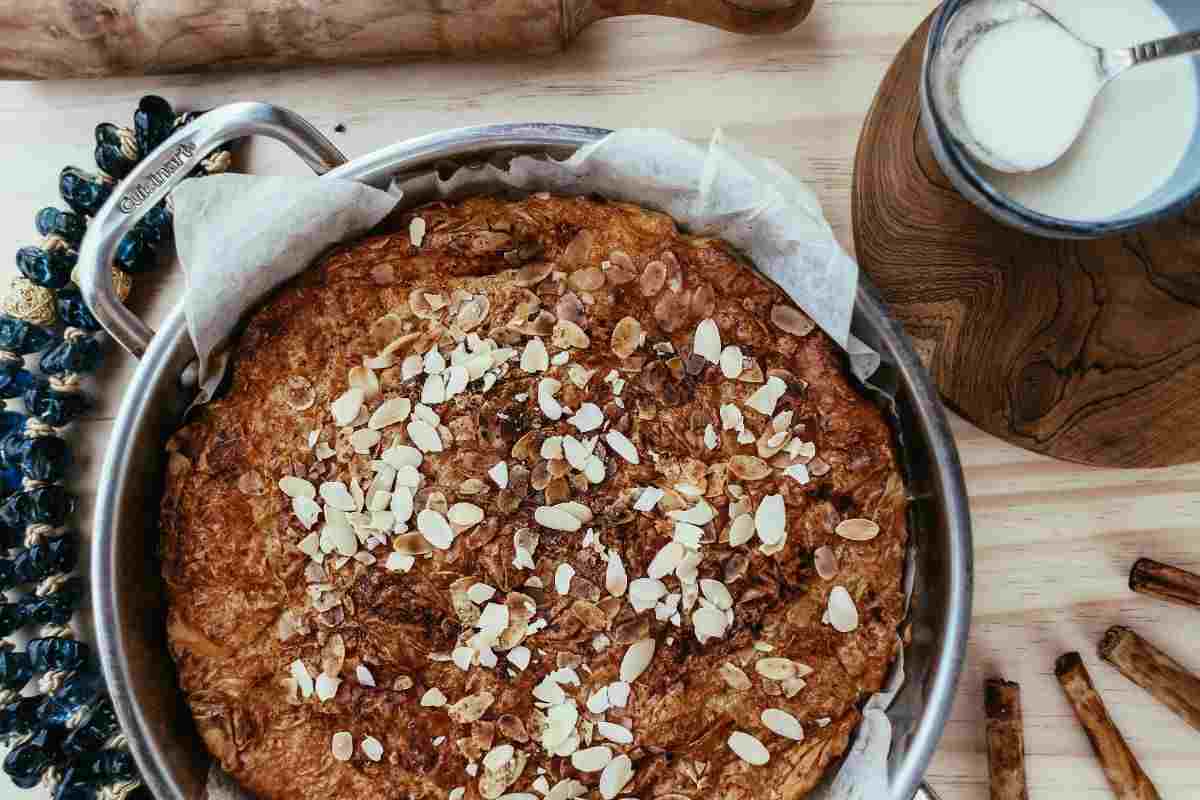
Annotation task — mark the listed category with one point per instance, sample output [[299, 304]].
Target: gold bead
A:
[[30, 302], [122, 282]]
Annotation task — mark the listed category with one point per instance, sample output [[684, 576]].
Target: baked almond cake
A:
[[535, 499]]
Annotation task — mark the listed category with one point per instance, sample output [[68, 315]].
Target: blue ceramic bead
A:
[[11, 480], [94, 732], [12, 618], [70, 227], [135, 254], [49, 268], [46, 558], [156, 225], [53, 652], [15, 669], [53, 407], [12, 448], [73, 311], [56, 608], [26, 762], [45, 458], [19, 717], [21, 337], [153, 122], [76, 693], [110, 156], [15, 380], [44, 504], [75, 788], [72, 355], [83, 192]]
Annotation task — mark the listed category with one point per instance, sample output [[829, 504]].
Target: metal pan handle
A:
[[155, 177]]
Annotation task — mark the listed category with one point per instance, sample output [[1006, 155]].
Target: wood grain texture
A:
[[1087, 351], [1054, 541], [95, 38]]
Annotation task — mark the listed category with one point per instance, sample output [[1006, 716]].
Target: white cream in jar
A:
[[1139, 127]]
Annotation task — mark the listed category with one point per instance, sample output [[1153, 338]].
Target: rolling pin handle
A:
[[154, 178]]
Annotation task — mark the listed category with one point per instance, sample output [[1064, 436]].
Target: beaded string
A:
[[62, 728]]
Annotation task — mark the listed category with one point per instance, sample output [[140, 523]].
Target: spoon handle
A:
[[1169, 47]]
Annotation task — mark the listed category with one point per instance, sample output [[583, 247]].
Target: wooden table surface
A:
[[1053, 541]]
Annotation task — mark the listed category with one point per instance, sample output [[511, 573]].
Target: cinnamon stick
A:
[[1124, 774], [1165, 582], [1005, 739], [1154, 671]]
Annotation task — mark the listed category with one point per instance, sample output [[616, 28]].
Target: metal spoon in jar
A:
[[1014, 86]]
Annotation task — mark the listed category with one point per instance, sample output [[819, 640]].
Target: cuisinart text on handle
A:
[[138, 194]]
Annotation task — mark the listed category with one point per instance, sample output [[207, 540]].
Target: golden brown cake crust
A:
[[238, 582]]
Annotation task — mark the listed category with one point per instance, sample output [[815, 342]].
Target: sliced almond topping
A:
[[770, 520], [592, 759], [791, 320], [424, 436], [843, 614], [347, 406], [622, 446], [567, 334], [708, 623], [741, 530], [391, 412], [781, 723], [716, 593], [562, 578], [588, 418], [766, 396], [433, 698], [616, 581], [732, 418], [436, 530], [749, 468], [825, 561], [857, 530], [556, 518], [666, 560], [731, 361], [648, 498], [535, 358], [637, 659], [711, 440], [416, 231], [465, 515], [735, 677], [499, 474], [364, 439], [471, 708], [777, 669], [336, 495], [748, 748], [297, 487], [707, 343], [618, 734], [372, 748], [615, 777], [626, 337], [549, 405], [342, 745]]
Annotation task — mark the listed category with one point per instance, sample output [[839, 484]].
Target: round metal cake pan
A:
[[127, 594]]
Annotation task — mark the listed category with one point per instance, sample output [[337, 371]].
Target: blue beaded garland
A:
[[34, 462]]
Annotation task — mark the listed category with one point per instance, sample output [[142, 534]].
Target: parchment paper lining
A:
[[240, 236]]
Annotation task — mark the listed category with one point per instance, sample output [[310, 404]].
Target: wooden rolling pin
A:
[[96, 38]]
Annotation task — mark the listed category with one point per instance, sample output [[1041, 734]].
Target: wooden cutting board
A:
[[1086, 351]]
